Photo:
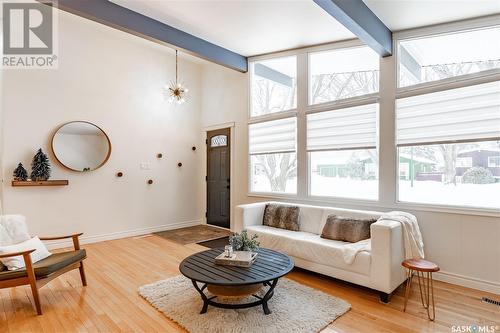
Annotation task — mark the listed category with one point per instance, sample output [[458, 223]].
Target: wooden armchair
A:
[[42, 272]]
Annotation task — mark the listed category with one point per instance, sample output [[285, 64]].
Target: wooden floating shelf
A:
[[55, 182]]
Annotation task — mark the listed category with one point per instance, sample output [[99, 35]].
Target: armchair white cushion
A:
[[377, 266], [17, 262]]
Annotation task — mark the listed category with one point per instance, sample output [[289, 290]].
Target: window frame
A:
[[304, 108], [437, 86], [326, 107], [441, 30], [388, 92], [264, 119], [251, 67]]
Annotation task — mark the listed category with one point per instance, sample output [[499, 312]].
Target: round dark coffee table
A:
[[269, 266]]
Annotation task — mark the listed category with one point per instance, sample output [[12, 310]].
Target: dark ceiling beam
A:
[[121, 18], [362, 22]]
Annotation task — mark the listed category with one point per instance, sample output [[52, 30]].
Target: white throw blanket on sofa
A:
[[412, 238], [350, 250]]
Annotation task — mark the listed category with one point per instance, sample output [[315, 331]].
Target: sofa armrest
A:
[[246, 215], [387, 254]]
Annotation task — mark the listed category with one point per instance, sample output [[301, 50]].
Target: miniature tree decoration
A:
[[20, 173], [40, 166]]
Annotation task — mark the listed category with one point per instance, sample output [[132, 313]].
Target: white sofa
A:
[[379, 268]]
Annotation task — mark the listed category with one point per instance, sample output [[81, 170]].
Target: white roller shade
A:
[[350, 128], [276, 136], [463, 114]]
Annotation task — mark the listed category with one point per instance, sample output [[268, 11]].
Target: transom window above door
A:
[[218, 141]]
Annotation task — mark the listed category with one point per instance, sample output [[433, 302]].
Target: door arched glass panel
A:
[[218, 141]]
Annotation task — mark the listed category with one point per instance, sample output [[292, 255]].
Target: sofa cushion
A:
[[347, 229], [281, 216], [356, 214], [48, 265], [311, 247]]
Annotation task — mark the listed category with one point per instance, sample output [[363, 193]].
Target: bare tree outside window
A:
[[332, 87], [279, 169]]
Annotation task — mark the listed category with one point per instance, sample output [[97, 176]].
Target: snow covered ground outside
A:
[[431, 192], [471, 195], [344, 187]]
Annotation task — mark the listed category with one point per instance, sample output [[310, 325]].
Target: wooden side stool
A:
[[422, 267]]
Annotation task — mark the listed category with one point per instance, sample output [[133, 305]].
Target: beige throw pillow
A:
[[347, 229], [281, 216]]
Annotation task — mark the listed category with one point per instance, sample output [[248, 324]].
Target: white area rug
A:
[[294, 307]]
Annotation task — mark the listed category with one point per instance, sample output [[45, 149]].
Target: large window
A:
[[273, 160], [448, 145], [443, 56], [273, 85], [314, 121], [342, 73], [342, 148]]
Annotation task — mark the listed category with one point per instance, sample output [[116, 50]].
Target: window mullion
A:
[[302, 101], [387, 151]]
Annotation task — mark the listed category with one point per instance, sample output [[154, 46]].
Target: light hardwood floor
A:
[[115, 270]]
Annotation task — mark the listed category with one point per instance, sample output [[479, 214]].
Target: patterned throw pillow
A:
[[281, 216], [347, 229]]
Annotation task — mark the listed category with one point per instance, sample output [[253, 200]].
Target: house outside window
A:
[[464, 162], [493, 161]]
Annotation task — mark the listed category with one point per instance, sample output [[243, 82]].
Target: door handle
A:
[[227, 186]]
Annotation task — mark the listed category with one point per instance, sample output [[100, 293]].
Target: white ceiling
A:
[[252, 27], [405, 14], [247, 27]]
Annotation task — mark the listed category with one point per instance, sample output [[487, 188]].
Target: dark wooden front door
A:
[[218, 182]]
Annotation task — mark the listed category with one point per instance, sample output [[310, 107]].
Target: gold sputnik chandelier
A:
[[177, 92]]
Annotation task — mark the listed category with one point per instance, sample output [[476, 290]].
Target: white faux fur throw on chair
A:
[[412, 238], [13, 230]]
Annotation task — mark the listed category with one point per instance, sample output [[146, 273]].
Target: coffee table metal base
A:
[[261, 300]]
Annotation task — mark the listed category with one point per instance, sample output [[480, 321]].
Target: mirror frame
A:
[[80, 121]]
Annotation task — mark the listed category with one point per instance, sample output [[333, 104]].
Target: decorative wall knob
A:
[[193, 148], [150, 181], [119, 174], [159, 155], [179, 164]]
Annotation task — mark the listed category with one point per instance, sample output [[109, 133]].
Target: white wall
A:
[[115, 80], [466, 247]]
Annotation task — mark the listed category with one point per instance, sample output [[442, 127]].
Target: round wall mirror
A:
[[81, 146]]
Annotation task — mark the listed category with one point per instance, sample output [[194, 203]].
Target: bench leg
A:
[[385, 298], [82, 274]]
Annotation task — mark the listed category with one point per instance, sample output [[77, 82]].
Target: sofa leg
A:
[[385, 298]]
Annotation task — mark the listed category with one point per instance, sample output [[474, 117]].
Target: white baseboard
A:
[[469, 282], [121, 234]]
